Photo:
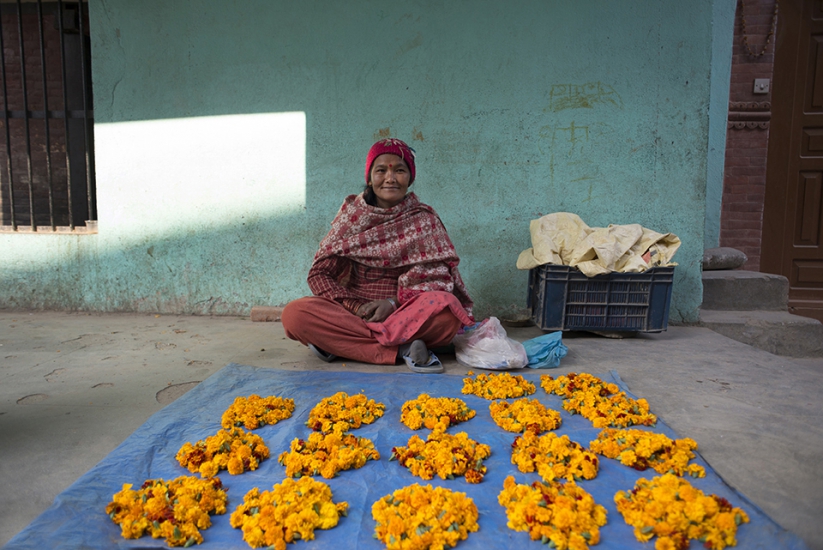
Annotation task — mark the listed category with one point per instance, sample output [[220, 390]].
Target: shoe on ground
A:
[[327, 357], [419, 359]]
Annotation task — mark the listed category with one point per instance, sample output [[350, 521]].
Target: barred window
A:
[[46, 142]]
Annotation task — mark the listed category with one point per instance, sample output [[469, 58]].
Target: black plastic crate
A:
[[562, 298]]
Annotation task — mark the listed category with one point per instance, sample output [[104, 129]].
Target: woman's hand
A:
[[376, 311]]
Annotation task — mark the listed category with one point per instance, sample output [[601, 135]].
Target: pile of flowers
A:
[[444, 455], [670, 508], [327, 454], [553, 457], [342, 412], [291, 510], [234, 450], [497, 386], [254, 411], [599, 402], [435, 413], [640, 449], [524, 414], [562, 515], [176, 510], [424, 517], [567, 386]]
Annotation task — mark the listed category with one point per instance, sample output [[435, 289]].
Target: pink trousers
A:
[[432, 317]]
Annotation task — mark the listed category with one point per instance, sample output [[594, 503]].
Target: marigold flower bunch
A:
[[598, 401], [291, 510], [562, 515], [254, 411], [524, 414], [424, 517], [553, 457], [567, 386], [444, 455], [640, 449], [342, 412], [670, 508], [497, 386], [234, 450], [435, 413], [327, 454], [176, 510]]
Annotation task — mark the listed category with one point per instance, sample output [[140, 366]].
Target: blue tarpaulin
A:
[[77, 518]]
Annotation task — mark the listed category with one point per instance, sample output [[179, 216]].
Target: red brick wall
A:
[[747, 138]]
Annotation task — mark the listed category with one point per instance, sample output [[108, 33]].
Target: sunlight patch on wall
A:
[[187, 174]]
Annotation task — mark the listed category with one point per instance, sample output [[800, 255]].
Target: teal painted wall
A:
[[227, 134], [722, 38]]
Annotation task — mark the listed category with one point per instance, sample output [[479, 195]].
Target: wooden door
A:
[[793, 209]]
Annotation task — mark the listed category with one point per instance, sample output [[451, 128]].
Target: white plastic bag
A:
[[486, 346]]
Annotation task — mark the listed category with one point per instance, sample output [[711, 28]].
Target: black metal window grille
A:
[[47, 175]]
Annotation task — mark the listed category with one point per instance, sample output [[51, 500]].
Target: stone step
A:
[[778, 332], [739, 290]]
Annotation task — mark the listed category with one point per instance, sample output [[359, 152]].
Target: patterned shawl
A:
[[409, 234]]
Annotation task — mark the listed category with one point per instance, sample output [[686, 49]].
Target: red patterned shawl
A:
[[409, 234]]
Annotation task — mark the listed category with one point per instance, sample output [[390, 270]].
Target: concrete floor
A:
[[75, 385]]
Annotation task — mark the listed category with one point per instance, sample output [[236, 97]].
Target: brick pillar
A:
[[747, 139]]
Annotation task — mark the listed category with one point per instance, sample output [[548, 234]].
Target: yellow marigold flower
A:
[[573, 383], [524, 414], [553, 457], [444, 455], [327, 454], [342, 412], [498, 386], [235, 466], [235, 450], [561, 513], [424, 517], [254, 411], [665, 543], [435, 413], [291, 510], [627, 458], [176, 510], [640, 450], [671, 508], [600, 402]]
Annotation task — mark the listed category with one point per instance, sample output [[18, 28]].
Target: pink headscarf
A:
[[394, 147]]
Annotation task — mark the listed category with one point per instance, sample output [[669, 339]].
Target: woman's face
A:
[[389, 178]]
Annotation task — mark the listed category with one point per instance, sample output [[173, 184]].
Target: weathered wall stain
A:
[[583, 96], [415, 42]]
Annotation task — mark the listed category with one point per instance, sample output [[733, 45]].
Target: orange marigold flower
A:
[[524, 414], [640, 449], [176, 510], [686, 512], [444, 455], [561, 513], [291, 510], [254, 411], [498, 386], [420, 516], [235, 450], [600, 402], [435, 413], [342, 412]]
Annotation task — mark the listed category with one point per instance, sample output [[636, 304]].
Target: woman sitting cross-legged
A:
[[385, 280]]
